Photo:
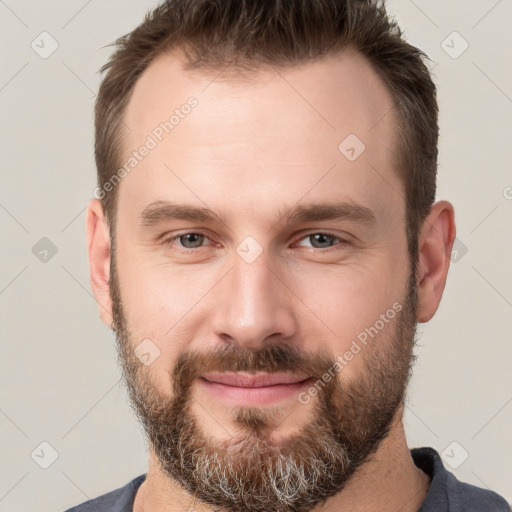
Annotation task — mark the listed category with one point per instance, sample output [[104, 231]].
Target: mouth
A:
[[254, 388]]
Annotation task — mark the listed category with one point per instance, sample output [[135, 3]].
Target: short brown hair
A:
[[243, 34]]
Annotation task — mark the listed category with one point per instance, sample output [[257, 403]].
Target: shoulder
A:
[[447, 493], [469, 498], [118, 500]]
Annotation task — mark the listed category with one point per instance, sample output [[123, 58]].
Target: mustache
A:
[[232, 358]]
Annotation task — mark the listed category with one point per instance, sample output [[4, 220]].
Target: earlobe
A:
[[435, 246], [98, 248]]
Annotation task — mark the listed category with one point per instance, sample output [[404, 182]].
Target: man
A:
[[263, 242]]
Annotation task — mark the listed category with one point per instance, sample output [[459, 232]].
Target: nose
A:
[[255, 309]]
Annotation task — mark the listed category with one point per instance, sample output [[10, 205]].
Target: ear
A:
[[98, 248], [435, 247]]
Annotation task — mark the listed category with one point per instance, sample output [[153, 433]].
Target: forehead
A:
[[278, 131]]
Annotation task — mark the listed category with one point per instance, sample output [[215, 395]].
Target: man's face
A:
[[258, 292]]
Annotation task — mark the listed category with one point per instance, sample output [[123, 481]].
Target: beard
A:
[[249, 472]]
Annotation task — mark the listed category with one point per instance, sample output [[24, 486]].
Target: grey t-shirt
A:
[[446, 493]]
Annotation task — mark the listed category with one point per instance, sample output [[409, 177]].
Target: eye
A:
[[195, 240], [322, 240], [190, 240]]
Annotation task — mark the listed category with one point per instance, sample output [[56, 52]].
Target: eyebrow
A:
[[164, 211], [328, 211]]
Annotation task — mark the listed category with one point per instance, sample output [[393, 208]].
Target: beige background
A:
[[60, 382]]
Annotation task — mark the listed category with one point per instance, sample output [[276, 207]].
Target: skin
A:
[[248, 151]]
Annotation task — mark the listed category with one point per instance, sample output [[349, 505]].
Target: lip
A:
[[254, 380], [253, 388]]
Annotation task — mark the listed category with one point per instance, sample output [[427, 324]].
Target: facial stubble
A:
[[248, 472]]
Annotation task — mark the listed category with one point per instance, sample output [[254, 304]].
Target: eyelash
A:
[[341, 241]]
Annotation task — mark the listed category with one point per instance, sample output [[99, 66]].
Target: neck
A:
[[387, 482]]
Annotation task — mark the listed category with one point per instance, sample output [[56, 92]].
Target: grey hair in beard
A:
[[248, 472]]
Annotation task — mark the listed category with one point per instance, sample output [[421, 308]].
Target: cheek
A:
[[347, 305], [156, 293], [162, 304]]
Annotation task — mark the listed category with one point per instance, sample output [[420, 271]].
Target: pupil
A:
[[195, 240], [321, 239]]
